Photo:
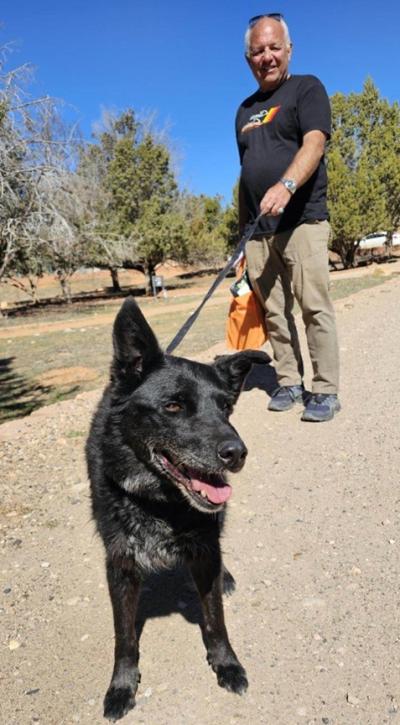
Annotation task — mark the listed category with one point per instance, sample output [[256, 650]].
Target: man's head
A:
[[268, 51]]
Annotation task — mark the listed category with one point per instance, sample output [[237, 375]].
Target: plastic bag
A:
[[245, 327]]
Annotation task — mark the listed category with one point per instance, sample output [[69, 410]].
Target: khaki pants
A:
[[294, 265]]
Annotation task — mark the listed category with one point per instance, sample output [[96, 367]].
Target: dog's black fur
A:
[[161, 434]]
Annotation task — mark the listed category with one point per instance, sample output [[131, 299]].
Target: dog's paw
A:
[[118, 701], [228, 583], [232, 677]]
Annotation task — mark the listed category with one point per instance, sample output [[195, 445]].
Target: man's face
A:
[[269, 53]]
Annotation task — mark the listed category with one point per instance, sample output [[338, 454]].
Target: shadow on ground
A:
[[18, 395], [165, 593], [172, 591]]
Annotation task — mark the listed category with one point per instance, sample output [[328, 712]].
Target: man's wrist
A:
[[289, 184]]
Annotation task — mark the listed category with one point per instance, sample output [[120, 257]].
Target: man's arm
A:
[[302, 167]]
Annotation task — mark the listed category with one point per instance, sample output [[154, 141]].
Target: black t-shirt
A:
[[276, 123]]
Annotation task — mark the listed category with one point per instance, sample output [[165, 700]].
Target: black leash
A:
[[248, 233]]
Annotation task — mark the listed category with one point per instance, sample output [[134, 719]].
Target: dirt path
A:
[[312, 538]]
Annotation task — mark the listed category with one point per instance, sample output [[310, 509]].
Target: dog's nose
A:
[[233, 454]]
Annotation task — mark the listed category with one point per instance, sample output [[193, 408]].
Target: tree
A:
[[35, 152], [230, 220], [137, 194], [63, 236], [160, 234], [363, 168], [17, 190], [206, 232], [105, 247], [27, 267]]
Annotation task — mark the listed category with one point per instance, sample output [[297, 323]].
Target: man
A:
[[281, 133]]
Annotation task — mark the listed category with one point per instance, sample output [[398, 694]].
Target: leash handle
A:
[[233, 259]]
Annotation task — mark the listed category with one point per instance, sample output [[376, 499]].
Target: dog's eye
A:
[[173, 407]]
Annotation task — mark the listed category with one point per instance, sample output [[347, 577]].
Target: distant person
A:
[[281, 133]]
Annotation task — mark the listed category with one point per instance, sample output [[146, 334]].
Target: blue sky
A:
[[185, 61]]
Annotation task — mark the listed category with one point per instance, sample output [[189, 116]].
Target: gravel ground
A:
[[312, 539]]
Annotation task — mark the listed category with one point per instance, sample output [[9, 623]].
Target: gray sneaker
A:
[[321, 407], [285, 397]]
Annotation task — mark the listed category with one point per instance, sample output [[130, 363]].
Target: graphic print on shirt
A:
[[258, 119]]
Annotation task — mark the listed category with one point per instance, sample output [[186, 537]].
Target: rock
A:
[[351, 699]]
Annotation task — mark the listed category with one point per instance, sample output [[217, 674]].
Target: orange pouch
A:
[[245, 328]]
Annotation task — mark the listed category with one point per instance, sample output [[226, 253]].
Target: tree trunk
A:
[[115, 281], [33, 283], [350, 258], [65, 286], [151, 269]]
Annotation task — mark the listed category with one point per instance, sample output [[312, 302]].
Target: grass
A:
[[344, 287], [26, 362]]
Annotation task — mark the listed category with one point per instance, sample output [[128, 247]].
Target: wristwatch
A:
[[289, 184]]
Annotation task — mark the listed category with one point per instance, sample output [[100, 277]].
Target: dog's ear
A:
[[135, 346], [234, 368]]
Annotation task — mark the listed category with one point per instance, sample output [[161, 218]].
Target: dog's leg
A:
[[207, 573], [228, 582], [124, 587]]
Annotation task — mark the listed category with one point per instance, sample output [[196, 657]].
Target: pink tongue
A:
[[215, 494]]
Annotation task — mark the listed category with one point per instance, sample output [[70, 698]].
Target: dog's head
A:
[[174, 413]]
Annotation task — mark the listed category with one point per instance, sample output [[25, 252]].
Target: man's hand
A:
[[275, 200]]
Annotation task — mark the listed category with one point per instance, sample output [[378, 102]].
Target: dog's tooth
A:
[[203, 493]]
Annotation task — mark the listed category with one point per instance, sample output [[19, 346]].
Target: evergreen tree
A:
[[137, 195], [363, 168]]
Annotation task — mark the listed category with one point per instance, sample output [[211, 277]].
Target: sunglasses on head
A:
[[256, 18]]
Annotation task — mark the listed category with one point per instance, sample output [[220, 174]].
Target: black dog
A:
[[158, 449]]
